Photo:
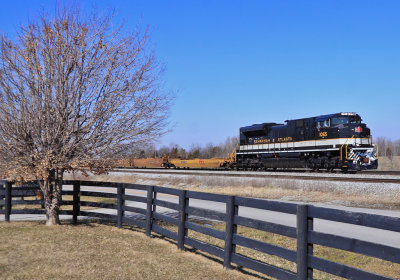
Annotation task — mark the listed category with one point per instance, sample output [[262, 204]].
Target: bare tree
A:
[[75, 92], [381, 142]]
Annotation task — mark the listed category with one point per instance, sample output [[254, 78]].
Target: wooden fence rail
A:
[[145, 214]]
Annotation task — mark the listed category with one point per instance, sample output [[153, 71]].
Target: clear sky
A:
[[235, 63]]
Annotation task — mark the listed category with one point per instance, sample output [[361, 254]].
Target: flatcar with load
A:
[[334, 141]]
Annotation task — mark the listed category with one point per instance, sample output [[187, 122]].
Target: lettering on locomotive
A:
[[262, 141], [285, 139], [323, 134]]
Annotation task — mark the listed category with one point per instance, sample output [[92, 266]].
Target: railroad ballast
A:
[[334, 141]]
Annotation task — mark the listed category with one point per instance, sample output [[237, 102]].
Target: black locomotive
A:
[[334, 141]]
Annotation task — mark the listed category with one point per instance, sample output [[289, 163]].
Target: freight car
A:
[[334, 141], [144, 162], [166, 162], [199, 163]]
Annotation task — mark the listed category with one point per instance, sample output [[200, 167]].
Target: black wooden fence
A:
[[147, 215]]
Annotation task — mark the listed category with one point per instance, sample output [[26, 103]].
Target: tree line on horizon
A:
[[173, 150], [387, 147]]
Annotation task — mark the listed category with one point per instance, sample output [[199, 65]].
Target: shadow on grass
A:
[[92, 223], [209, 257]]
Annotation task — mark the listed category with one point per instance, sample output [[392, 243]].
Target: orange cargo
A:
[[148, 162], [198, 163]]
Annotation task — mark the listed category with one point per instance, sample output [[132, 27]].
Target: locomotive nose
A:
[[361, 130]]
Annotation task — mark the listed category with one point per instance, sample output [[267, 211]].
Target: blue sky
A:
[[235, 63]]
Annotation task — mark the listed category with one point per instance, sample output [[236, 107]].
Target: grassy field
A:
[[384, 163], [99, 250], [30, 250], [374, 265]]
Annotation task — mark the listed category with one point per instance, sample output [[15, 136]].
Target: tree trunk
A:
[[51, 188]]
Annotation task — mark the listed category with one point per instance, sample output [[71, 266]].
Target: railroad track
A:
[[275, 176]]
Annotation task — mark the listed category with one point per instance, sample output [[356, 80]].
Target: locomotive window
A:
[[340, 120], [320, 124], [355, 120], [299, 123], [327, 123]]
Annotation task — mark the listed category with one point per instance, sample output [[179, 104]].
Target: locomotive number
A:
[[323, 134]]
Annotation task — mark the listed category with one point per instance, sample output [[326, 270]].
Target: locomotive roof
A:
[[260, 126], [325, 117], [256, 127]]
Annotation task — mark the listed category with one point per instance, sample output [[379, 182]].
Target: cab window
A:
[[340, 120], [325, 123]]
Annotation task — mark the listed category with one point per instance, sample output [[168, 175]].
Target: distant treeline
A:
[[195, 151], [388, 147]]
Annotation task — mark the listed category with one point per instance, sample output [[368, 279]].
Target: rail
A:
[[139, 205]]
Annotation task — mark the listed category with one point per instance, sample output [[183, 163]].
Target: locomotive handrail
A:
[[377, 148], [348, 145], [341, 147]]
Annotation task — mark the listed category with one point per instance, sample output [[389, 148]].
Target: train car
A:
[[334, 141], [199, 163], [143, 162]]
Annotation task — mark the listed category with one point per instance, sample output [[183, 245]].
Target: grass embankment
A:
[[363, 262], [30, 250], [310, 192]]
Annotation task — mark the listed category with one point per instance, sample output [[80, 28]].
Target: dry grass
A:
[[92, 250], [30, 250], [374, 265], [384, 163], [254, 188], [310, 196]]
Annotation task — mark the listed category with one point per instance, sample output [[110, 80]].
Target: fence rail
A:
[[144, 214]]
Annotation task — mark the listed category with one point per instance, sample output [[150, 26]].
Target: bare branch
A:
[[75, 91]]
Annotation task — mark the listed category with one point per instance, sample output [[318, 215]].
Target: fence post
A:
[[310, 246], [149, 211], [120, 204], [76, 208], [2, 196], [229, 230], [182, 231], [7, 197], [304, 249]]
